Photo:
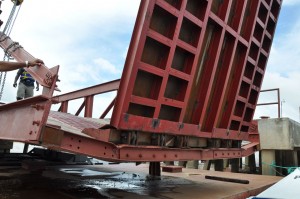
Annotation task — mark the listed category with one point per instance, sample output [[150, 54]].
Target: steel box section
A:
[[59, 139], [197, 66], [23, 120], [87, 136]]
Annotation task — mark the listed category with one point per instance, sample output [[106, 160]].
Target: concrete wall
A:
[[279, 134], [295, 130]]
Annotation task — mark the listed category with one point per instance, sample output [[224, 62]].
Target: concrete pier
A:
[[279, 143]]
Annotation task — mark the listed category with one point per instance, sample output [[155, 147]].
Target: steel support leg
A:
[[219, 165], [252, 164], [25, 149], [235, 165], [154, 169]]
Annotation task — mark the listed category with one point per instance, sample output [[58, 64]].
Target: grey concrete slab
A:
[[279, 134]]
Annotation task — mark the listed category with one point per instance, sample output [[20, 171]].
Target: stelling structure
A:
[[188, 91]]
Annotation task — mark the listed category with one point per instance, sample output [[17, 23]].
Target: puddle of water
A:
[[87, 183], [87, 172], [85, 192]]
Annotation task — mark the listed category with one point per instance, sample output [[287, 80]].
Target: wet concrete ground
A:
[[122, 181]]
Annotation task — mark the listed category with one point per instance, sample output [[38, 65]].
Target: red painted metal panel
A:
[[196, 63], [23, 120]]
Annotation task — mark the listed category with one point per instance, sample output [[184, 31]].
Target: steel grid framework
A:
[[188, 91], [196, 67]]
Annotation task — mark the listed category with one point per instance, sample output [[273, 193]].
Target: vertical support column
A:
[[182, 163], [64, 107], [219, 165], [5, 146], [89, 106], [154, 169], [207, 165], [235, 165], [252, 163], [193, 164], [25, 148], [268, 157], [169, 163], [226, 164], [295, 157]]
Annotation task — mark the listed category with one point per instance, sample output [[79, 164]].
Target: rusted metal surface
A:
[[197, 64], [91, 137], [273, 103], [185, 90], [93, 90], [88, 95], [250, 149], [42, 74], [23, 120], [188, 90]]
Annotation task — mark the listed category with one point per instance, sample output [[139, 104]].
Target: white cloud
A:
[[106, 67], [285, 51], [291, 2]]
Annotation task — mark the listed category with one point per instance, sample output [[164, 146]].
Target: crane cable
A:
[[7, 30]]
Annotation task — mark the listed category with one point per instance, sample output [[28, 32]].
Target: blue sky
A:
[[89, 40], [283, 69]]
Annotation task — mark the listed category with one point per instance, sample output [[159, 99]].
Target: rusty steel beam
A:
[[250, 148], [234, 180], [130, 61], [23, 120], [88, 111], [80, 108], [64, 107], [273, 103], [105, 112], [56, 138], [93, 90], [42, 74]]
